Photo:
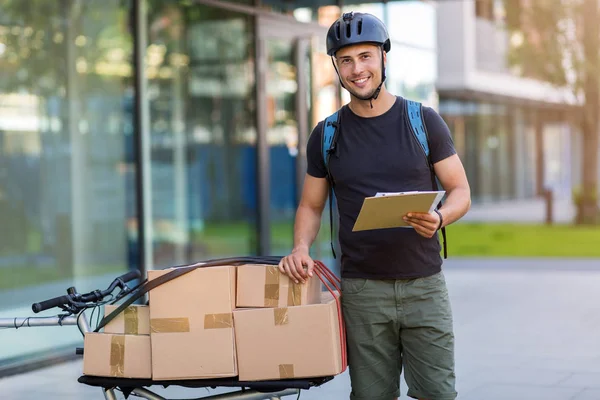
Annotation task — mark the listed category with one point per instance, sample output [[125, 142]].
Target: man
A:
[[394, 297]]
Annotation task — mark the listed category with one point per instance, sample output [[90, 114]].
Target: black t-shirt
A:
[[381, 154]]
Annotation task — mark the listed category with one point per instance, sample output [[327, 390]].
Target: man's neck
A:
[[381, 105]]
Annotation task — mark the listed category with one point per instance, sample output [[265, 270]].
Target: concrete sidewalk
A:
[[525, 329], [522, 211]]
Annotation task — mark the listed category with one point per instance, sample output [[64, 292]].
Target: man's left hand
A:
[[426, 224]]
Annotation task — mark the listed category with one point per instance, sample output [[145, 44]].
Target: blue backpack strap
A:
[[330, 125], [415, 117], [329, 136], [414, 111]]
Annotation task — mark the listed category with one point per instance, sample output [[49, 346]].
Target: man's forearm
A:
[[456, 205], [306, 228]]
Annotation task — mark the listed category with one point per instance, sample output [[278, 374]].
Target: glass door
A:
[[283, 95]]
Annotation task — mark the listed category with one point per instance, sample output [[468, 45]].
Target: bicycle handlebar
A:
[[46, 304], [129, 276], [95, 295]]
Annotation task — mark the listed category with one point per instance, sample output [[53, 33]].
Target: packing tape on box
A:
[[169, 325], [280, 316], [272, 286], [286, 371], [117, 355], [131, 320], [294, 294], [218, 321]]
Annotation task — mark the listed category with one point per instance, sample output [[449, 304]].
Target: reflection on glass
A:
[[200, 84], [302, 11], [282, 136], [486, 136], [65, 132]]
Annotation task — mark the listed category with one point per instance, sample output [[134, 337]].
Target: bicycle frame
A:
[[110, 393]]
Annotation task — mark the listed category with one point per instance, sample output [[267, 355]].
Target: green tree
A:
[[558, 41]]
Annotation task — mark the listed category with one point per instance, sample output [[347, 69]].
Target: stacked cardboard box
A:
[[123, 350], [249, 321], [284, 330], [191, 327]]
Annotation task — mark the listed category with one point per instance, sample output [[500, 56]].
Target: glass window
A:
[[282, 136], [202, 115], [65, 140], [461, 118], [307, 13]]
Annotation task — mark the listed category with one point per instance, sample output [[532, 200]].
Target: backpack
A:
[[329, 135]]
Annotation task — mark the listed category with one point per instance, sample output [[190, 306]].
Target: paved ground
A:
[[525, 211], [526, 329]]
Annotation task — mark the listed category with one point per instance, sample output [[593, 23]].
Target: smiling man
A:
[[394, 296]]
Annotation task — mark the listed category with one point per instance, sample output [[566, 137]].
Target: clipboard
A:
[[385, 210]]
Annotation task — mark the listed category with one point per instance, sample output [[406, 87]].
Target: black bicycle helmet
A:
[[353, 28]]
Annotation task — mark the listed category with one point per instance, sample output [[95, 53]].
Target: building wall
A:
[[510, 148]]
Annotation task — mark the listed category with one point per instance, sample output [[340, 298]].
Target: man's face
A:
[[360, 69]]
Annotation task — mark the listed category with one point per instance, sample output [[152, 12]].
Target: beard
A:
[[363, 97]]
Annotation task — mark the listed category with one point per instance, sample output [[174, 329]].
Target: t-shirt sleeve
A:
[[315, 165], [440, 138]]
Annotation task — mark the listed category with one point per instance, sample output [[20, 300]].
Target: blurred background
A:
[[142, 134]]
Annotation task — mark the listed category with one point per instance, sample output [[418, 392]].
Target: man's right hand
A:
[[294, 264]]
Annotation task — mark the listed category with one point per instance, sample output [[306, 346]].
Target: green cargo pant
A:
[[399, 324]]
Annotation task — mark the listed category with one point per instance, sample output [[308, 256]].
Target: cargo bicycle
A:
[[74, 305]]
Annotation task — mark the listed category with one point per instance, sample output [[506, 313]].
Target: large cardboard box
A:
[[289, 342], [191, 326], [133, 320], [112, 355], [265, 286]]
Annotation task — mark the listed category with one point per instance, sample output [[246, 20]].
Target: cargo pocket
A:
[[352, 286]]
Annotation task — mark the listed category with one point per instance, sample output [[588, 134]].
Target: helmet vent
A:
[[348, 30], [337, 31], [360, 26]]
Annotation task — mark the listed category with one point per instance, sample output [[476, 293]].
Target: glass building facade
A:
[[512, 150], [145, 134]]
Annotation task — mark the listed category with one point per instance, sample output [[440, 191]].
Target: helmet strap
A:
[[376, 93], [338, 73]]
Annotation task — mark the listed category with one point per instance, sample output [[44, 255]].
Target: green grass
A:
[[521, 240], [222, 238], [464, 240]]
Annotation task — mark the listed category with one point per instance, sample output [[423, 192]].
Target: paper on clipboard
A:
[[385, 210]]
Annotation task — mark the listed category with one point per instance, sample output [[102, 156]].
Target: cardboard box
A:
[[191, 326], [112, 355], [134, 320], [265, 286], [292, 342]]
